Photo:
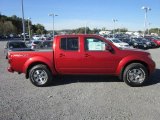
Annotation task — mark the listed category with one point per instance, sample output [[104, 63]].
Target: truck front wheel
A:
[[40, 76], [135, 75]]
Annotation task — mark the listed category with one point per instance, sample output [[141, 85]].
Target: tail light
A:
[[9, 57]]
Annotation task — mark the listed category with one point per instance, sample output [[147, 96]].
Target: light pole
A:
[[114, 20], [146, 9], [52, 14], [29, 30], [148, 27], [85, 29], [23, 22]]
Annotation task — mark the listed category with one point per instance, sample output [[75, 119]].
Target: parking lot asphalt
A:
[[78, 97]]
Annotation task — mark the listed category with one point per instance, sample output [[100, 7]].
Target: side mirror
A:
[[109, 48]]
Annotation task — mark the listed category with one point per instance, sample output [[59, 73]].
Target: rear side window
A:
[[69, 44]]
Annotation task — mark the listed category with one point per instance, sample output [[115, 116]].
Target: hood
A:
[[134, 49]]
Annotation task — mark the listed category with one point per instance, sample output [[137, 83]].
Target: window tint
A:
[[69, 44], [94, 44]]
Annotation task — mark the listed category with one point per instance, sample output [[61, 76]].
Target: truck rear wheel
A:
[[135, 75], [40, 76]]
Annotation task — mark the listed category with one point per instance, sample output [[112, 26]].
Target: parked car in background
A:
[[47, 44], [119, 43], [126, 40], [36, 37], [154, 39], [34, 44], [15, 46], [138, 43], [150, 44]]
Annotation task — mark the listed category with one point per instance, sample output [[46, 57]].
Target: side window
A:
[[94, 44], [69, 44]]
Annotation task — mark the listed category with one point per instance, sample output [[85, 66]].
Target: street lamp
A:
[[52, 14], [29, 31], [146, 9], [148, 27], [114, 20], [23, 22], [85, 28]]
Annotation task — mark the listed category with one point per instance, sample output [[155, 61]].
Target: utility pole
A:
[[52, 14], [23, 22], [146, 9], [114, 20]]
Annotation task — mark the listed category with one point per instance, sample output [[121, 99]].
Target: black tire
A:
[[40, 75], [135, 75]]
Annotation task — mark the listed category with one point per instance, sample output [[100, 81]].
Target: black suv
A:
[[139, 43]]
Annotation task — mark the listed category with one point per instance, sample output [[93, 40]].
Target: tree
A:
[[39, 29], [140, 32], [7, 28], [38, 32], [13, 24], [1, 28], [95, 31], [154, 30]]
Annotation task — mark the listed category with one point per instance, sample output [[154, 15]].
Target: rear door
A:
[[68, 55]]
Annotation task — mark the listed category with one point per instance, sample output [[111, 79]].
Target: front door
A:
[[96, 58]]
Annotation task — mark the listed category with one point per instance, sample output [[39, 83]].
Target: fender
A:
[[37, 59], [127, 60]]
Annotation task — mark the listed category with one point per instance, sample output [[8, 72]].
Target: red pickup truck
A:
[[82, 54]]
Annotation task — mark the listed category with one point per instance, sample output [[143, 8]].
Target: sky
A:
[[91, 13]]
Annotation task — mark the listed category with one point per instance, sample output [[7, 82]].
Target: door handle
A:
[[86, 55], [61, 55]]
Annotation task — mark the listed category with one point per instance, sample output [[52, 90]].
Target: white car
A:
[[36, 37], [119, 43], [34, 44]]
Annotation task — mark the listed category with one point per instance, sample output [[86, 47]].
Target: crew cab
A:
[[82, 55]]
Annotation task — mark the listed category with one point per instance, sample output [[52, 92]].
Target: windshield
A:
[[145, 40], [137, 40]]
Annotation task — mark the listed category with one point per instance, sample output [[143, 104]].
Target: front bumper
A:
[[152, 67]]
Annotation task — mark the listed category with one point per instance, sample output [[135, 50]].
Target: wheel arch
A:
[[34, 64], [35, 61], [133, 61]]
